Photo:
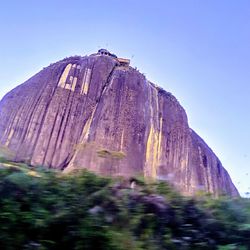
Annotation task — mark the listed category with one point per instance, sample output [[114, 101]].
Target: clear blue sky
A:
[[198, 50]]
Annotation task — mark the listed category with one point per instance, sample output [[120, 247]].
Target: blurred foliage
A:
[[5, 153], [43, 209]]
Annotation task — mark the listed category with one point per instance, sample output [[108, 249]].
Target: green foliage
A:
[[5, 153], [41, 209], [3, 160], [104, 153]]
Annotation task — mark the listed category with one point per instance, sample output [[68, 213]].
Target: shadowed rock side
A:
[[91, 112]]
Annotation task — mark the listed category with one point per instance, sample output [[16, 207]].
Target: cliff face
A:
[[90, 112]]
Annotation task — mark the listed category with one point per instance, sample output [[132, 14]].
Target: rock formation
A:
[[97, 112]]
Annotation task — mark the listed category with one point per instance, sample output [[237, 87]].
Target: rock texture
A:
[[91, 112]]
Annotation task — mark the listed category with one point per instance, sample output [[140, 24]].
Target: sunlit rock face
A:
[[94, 113]]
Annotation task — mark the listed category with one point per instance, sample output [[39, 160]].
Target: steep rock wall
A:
[[89, 112]]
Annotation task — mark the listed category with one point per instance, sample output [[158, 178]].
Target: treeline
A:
[[41, 209]]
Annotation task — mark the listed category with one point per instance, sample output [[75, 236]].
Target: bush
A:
[[50, 210]]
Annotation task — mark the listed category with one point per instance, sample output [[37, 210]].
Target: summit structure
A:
[[98, 113]]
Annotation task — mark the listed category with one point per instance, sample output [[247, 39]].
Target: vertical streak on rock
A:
[[122, 140], [86, 129], [64, 76], [13, 121], [10, 123], [205, 172], [9, 137], [160, 140], [153, 146], [83, 139], [151, 152], [74, 84], [210, 179], [85, 82], [185, 164], [75, 77], [11, 130]]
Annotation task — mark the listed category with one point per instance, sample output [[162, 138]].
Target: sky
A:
[[197, 50]]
